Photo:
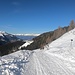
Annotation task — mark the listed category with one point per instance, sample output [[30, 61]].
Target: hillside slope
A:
[[58, 58], [45, 38], [9, 43]]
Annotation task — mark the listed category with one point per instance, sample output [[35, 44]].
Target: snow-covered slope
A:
[[57, 58], [66, 40], [26, 44]]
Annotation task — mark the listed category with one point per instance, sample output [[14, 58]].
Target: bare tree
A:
[[71, 26]]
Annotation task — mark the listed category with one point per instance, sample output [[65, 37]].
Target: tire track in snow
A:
[[39, 68], [53, 61], [60, 62], [43, 63]]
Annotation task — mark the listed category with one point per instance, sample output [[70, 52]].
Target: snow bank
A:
[[26, 44], [13, 64]]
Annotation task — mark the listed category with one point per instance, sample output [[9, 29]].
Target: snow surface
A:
[[57, 58], [3, 33], [26, 44]]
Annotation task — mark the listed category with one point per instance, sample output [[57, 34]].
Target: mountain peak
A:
[[3, 32], [6, 37]]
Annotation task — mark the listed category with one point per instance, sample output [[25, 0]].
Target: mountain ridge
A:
[[6, 37]]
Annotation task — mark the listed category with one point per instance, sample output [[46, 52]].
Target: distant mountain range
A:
[[27, 34], [6, 38], [9, 43], [9, 38]]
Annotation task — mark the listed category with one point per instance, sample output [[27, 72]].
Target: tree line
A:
[[10, 47], [45, 38]]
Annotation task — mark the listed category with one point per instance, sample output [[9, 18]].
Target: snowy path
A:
[[44, 63], [38, 62]]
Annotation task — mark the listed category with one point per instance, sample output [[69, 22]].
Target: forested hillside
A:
[[45, 38], [10, 47]]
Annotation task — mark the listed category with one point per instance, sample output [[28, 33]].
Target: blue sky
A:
[[35, 16]]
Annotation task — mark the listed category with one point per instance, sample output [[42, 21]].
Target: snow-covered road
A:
[[55, 61], [47, 63]]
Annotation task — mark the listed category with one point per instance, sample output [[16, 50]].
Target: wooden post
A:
[[71, 42]]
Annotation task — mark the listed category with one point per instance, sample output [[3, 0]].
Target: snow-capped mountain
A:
[[57, 58], [6, 37]]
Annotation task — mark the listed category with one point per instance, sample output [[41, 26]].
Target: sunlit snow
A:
[[57, 58]]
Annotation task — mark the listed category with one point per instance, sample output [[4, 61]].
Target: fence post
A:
[[71, 43]]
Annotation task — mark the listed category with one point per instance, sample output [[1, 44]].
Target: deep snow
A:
[[57, 58]]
